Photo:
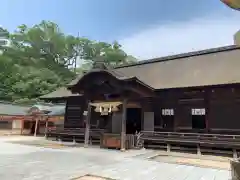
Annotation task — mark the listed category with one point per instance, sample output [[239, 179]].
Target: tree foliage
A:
[[36, 60]]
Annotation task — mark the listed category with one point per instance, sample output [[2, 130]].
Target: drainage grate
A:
[[91, 177]]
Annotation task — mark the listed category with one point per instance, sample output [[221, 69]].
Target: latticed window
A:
[[168, 112], [200, 111]]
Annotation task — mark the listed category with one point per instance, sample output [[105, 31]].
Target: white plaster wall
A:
[[116, 122], [16, 124], [148, 121]]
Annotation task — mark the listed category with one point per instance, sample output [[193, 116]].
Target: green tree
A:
[[113, 53], [29, 67], [41, 58], [48, 45], [4, 35]]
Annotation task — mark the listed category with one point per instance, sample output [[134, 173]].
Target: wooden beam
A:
[[123, 131], [87, 126]]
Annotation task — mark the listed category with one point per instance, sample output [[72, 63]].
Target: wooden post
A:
[[22, 125], [207, 108], [198, 150], [123, 131], [168, 148], [235, 155], [36, 126], [46, 127], [87, 126]]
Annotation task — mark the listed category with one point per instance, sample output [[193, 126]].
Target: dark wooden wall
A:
[[224, 111], [75, 107], [222, 105]]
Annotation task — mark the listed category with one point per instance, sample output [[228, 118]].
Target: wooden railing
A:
[[75, 134], [95, 136], [196, 137], [199, 140]]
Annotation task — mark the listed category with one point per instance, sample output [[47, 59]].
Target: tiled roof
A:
[[59, 93], [57, 111], [11, 109], [214, 66]]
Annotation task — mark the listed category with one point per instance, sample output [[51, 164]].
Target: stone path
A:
[[21, 162]]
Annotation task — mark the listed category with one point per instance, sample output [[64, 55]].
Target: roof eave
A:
[[182, 55]]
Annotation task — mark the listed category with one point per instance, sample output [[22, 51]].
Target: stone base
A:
[[235, 169]]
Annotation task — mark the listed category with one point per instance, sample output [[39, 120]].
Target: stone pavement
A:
[[22, 162], [218, 162]]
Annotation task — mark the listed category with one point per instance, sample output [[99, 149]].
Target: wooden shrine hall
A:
[[187, 101]]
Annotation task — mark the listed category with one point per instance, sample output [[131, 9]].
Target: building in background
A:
[[11, 118], [17, 119], [56, 116]]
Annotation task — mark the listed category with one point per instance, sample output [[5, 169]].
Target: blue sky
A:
[[145, 28]]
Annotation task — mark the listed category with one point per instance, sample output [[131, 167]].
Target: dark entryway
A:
[[133, 124], [32, 131], [168, 119], [105, 122], [168, 122], [198, 118], [198, 122]]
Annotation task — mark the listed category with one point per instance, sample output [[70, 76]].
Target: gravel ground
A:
[[28, 162]]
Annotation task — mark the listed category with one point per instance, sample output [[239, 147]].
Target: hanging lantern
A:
[[234, 4]]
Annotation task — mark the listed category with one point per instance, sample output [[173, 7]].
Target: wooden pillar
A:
[[87, 126], [36, 126], [207, 108], [46, 127], [123, 130], [198, 150], [235, 155], [168, 148], [22, 125]]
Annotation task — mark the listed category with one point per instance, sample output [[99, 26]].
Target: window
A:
[[168, 119], [168, 112], [198, 118], [198, 111]]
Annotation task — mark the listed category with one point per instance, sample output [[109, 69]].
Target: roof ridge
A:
[[181, 55], [13, 104]]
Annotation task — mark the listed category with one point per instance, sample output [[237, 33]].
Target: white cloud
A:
[[180, 37]]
